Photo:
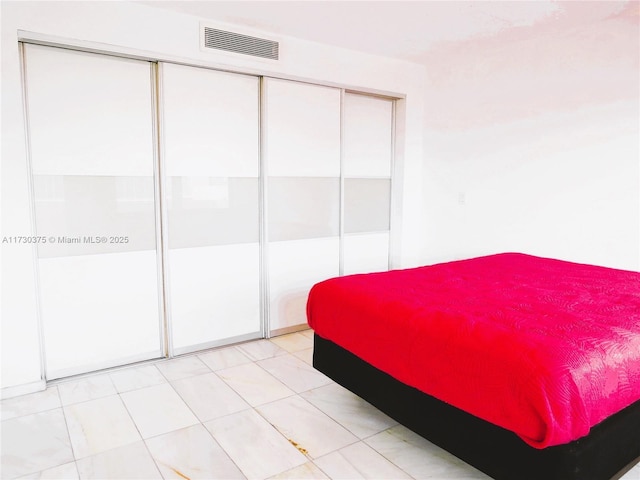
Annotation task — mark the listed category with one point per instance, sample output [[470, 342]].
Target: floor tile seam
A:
[[251, 357], [144, 386], [141, 440], [188, 355], [289, 440], [357, 413], [290, 388], [164, 380], [235, 347], [288, 351], [73, 404], [104, 452], [294, 357], [66, 426], [22, 475], [126, 408], [385, 457], [331, 416], [244, 409], [272, 376], [44, 469], [191, 377], [29, 414], [326, 474], [382, 454], [239, 349], [245, 353], [221, 447], [367, 437], [290, 354], [19, 397], [181, 399], [156, 462], [249, 406], [346, 427], [339, 452], [88, 377]]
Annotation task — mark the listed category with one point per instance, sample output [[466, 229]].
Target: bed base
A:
[[608, 452]]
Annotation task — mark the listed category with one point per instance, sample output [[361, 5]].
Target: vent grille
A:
[[245, 44]]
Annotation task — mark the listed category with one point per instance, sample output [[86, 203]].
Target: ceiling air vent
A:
[[238, 43]]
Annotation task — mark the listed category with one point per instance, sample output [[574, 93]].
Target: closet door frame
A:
[[162, 215], [348, 175], [32, 207], [173, 350], [157, 214]]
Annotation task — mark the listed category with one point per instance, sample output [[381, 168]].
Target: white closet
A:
[[92, 160], [223, 198]]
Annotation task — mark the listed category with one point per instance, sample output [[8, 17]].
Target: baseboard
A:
[[283, 331]]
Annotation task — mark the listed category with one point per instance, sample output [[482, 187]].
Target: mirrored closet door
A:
[[92, 160]]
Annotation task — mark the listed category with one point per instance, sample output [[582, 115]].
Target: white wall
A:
[[122, 27], [532, 140]]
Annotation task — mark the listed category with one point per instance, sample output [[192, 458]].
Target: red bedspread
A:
[[541, 347]]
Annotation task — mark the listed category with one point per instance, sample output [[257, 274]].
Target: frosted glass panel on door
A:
[[207, 211], [92, 158], [80, 211], [367, 204], [303, 207], [211, 133]]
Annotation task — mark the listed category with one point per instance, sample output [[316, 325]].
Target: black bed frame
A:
[[608, 452]]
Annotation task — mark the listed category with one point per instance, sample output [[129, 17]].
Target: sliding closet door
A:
[[92, 157], [211, 157], [303, 203], [368, 131]]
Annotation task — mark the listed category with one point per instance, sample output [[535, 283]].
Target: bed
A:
[[524, 367]]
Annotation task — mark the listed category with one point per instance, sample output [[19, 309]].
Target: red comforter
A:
[[541, 347]]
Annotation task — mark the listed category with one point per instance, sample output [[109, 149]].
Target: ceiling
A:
[[406, 30]]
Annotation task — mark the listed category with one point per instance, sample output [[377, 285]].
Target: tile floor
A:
[[256, 410]]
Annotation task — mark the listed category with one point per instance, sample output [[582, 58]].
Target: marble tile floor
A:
[[256, 410]]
